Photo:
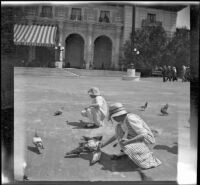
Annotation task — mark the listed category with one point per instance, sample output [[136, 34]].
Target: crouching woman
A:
[[97, 111], [133, 136]]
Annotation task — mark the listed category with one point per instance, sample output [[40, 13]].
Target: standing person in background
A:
[[102, 66], [164, 71], [91, 66], [84, 64], [98, 110], [187, 74], [183, 73], [169, 73], [174, 74]]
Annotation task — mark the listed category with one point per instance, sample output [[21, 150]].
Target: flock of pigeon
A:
[[163, 109], [87, 144], [37, 141]]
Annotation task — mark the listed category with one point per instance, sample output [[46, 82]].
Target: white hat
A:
[[94, 91], [117, 109]]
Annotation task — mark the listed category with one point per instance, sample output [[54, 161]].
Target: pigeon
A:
[[143, 107], [37, 141], [87, 145], [163, 110], [25, 178], [95, 157], [59, 111]]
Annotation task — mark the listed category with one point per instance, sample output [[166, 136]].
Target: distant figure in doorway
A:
[[68, 65], [91, 65], [102, 66], [101, 18], [98, 110], [106, 19]]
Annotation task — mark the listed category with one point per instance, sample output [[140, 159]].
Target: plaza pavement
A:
[[38, 97]]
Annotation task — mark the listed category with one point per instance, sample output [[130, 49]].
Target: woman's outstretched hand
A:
[[124, 142]]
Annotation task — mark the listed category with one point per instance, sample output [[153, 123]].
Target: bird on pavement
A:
[[143, 107], [163, 109], [37, 141], [86, 145], [59, 111], [25, 178]]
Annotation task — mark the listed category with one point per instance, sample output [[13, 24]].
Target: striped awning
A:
[[35, 35]]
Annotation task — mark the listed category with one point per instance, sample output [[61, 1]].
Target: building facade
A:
[[90, 34]]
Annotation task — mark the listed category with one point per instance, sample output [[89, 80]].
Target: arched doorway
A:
[[102, 53], [74, 53]]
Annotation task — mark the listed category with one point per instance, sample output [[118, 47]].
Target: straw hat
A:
[[94, 91], [117, 109]]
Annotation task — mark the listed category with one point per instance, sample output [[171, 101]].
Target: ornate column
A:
[[117, 47], [61, 42], [89, 46]]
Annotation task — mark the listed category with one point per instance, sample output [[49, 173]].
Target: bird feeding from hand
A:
[[88, 145]]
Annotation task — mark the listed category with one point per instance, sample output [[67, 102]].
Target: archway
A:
[[102, 53], [74, 53]]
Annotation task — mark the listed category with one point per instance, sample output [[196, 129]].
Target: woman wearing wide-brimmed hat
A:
[[97, 112], [133, 136]]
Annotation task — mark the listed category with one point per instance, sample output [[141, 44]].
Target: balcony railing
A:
[[146, 22], [48, 15], [76, 17]]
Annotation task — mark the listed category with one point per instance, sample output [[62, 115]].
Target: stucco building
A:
[[89, 34]]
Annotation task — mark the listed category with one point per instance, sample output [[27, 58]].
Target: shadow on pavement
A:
[[163, 114], [33, 149], [173, 149], [123, 164], [80, 125]]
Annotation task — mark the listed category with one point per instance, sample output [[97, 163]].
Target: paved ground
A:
[[38, 97]]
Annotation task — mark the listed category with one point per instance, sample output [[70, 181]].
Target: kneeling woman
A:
[[133, 136]]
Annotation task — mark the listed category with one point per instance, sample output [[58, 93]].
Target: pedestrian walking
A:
[[174, 74], [97, 112], [169, 73], [134, 137], [164, 72]]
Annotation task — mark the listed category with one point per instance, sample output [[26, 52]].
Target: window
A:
[[104, 16], [32, 10], [18, 12], [76, 14], [151, 17], [46, 11]]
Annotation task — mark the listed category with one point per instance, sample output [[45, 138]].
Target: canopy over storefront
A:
[[35, 35]]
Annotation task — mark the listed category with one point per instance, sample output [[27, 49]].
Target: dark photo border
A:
[[7, 99]]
